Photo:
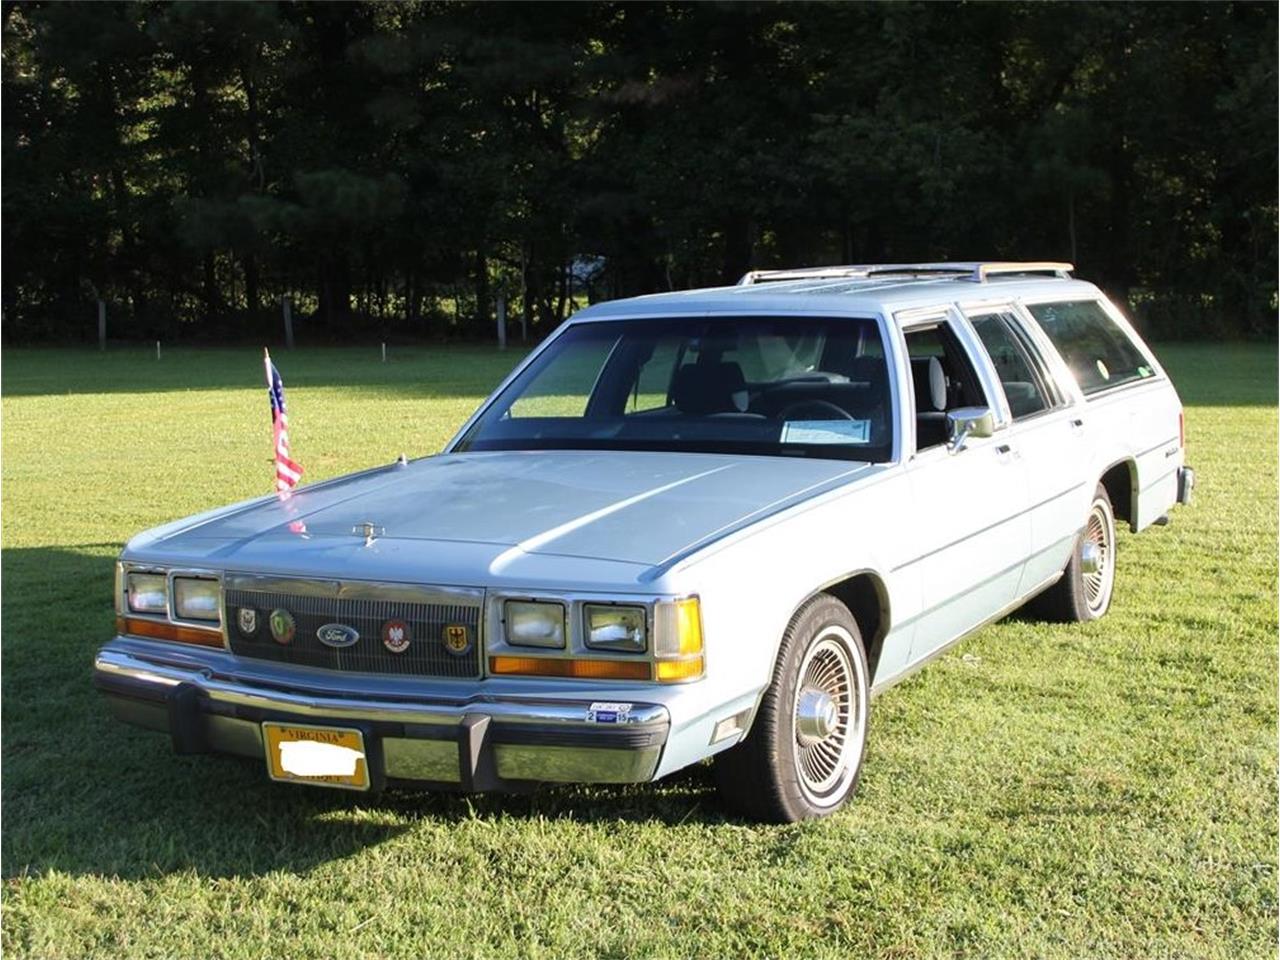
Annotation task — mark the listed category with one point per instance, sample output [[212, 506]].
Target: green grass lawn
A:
[[1062, 791]]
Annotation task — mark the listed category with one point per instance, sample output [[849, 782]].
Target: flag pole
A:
[[266, 369]]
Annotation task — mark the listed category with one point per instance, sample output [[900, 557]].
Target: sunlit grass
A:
[[1098, 791]]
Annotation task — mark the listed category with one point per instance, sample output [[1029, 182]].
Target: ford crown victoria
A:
[[708, 524]]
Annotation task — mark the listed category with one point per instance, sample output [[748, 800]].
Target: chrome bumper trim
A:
[[477, 742], [113, 662]]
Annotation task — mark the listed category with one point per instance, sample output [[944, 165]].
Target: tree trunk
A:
[[251, 298], [563, 299], [482, 288], [529, 285], [212, 296], [335, 291], [737, 249]]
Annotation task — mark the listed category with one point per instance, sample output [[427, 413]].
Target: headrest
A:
[[704, 388], [872, 371], [930, 383]]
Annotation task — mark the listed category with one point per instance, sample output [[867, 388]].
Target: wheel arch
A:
[[1120, 480], [864, 593]]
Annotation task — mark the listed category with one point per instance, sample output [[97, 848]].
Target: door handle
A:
[[1005, 452], [1077, 425]]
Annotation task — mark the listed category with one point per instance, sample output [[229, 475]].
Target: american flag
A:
[[288, 472]]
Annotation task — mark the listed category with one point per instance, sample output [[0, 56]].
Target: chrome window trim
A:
[[952, 316], [880, 318], [1122, 324], [1055, 398]]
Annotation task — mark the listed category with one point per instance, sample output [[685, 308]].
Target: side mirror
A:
[[966, 422]]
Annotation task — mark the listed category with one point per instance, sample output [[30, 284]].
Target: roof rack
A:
[[974, 271]]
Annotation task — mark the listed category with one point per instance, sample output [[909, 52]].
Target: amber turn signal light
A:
[[578, 669], [156, 630]]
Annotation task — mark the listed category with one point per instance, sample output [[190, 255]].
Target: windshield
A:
[[776, 386]]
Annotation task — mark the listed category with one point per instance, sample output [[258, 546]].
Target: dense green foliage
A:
[[393, 167], [1105, 790]]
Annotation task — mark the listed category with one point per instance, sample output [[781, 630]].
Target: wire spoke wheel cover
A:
[[1099, 539], [829, 713]]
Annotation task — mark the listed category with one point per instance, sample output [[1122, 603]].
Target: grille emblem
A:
[[247, 619], [337, 635], [282, 626], [396, 636], [456, 639]]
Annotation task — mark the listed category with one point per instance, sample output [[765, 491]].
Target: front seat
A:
[[931, 401], [702, 389]]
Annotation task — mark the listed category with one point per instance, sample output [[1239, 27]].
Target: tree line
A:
[[396, 167]]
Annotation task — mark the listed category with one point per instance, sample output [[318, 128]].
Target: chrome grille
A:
[[364, 607]]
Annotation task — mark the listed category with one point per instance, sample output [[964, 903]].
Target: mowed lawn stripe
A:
[[1106, 790]]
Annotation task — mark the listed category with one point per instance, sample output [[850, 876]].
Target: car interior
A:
[[942, 379]]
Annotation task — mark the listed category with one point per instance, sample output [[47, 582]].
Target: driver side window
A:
[[942, 379]]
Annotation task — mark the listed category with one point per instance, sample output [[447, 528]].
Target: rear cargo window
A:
[[1099, 353]]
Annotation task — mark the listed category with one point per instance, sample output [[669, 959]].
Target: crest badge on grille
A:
[[282, 626], [457, 640], [337, 635], [247, 620], [396, 636]]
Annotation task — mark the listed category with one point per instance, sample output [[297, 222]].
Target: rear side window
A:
[[1099, 353], [1023, 387]]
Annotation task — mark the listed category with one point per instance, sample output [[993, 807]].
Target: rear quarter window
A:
[[1101, 355]]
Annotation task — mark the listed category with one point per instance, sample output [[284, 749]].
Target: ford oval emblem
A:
[[337, 635]]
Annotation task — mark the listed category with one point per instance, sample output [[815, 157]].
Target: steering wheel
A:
[[824, 405]]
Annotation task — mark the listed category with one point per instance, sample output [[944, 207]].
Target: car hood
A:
[[633, 507]]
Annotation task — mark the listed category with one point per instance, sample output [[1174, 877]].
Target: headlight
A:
[[195, 599], [148, 592], [533, 624], [621, 629]]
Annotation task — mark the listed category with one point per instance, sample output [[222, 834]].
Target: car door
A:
[[968, 529], [1048, 433]]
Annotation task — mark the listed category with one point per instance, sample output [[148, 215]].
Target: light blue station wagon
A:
[[709, 524]]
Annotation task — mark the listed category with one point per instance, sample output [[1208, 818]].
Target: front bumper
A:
[[442, 738]]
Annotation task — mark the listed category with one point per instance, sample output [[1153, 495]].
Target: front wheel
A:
[[804, 753], [1084, 591]]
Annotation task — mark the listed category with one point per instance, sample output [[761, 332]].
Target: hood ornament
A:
[[368, 531]]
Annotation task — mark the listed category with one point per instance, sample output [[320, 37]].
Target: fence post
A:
[[102, 324], [288, 322], [502, 321]]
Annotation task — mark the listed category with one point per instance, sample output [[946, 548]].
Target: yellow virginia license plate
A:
[[322, 756]]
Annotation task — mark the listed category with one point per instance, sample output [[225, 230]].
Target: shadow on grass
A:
[[84, 794]]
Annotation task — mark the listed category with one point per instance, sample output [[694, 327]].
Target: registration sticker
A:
[[321, 756], [603, 712]]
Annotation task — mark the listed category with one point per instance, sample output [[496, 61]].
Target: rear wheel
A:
[[803, 755], [1084, 591]]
